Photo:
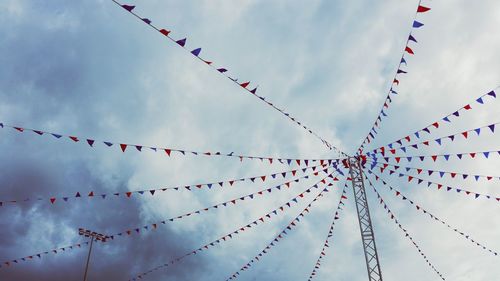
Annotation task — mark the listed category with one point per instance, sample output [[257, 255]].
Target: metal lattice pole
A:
[[365, 222]]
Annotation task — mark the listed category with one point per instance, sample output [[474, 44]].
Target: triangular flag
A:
[[196, 52], [422, 9], [165, 32], [181, 42], [417, 24], [128, 7], [409, 50]]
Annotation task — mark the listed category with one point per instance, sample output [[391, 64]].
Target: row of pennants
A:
[[486, 154], [154, 226], [447, 119], [262, 219], [168, 151], [224, 72], [419, 208], [465, 134], [231, 202], [396, 80], [283, 234], [439, 186], [441, 174], [326, 244], [406, 233], [41, 254], [155, 191]]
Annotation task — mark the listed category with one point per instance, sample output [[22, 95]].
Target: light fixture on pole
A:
[[93, 236]]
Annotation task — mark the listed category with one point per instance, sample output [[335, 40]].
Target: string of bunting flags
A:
[[326, 244], [154, 226], [407, 234], [441, 174], [439, 186], [293, 223], [224, 72], [405, 198], [465, 134], [447, 119], [264, 218], [486, 154], [227, 203], [154, 191], [92, 142], [396, 78], [41, 254]]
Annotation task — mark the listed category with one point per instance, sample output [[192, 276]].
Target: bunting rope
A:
[[395, 81], [465, 134], [472, 155], [129, 194], [293, 223], [168, 151], [264, 218], [41, 254], [440, 186], [441, 174], [154, 226], [326, 245], [223, 71], [407, 234], [445, 120], [230, 202], [405, 198]]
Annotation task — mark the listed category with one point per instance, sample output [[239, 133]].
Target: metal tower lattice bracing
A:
[[365, 222]]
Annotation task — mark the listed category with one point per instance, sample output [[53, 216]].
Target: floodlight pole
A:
[[365, 222], [88, 258], [93, 236]]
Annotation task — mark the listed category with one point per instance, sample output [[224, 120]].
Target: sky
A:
[[91, 69]]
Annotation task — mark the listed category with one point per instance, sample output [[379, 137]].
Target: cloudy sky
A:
[[90, 69]]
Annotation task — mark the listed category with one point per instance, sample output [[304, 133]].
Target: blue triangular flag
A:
[[181, 42], [196, 52], [417, 24]]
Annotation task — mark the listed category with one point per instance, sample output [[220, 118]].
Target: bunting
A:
[[419, 208], [92, 142], [155, 191], [406, 233], [326, 244], [490, 128], [260, 220], [440, 186], [228, 203], [441, 174], [459, 156], [224, 72], [407, 51], [485, 98], [282, 235], [54, 251]]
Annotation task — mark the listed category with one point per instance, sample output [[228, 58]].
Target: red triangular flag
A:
[[422, 9], [409, 50], [165, 32]]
